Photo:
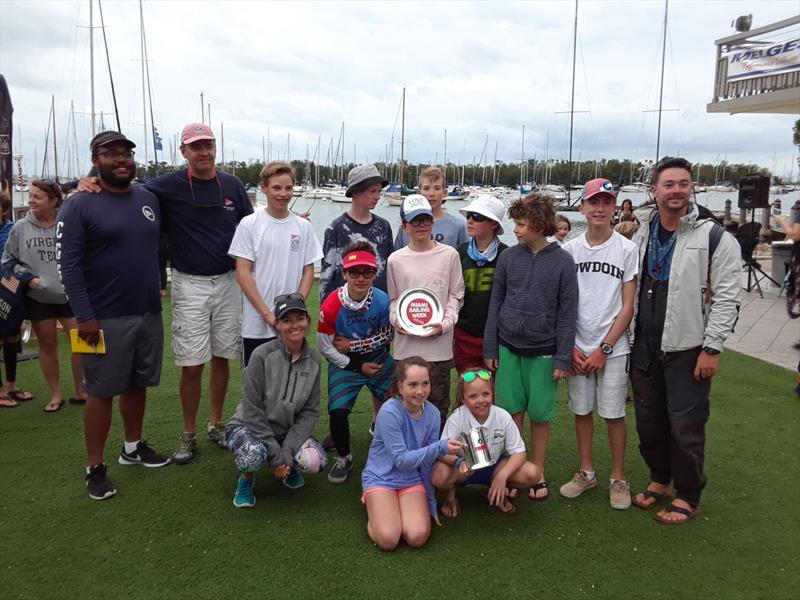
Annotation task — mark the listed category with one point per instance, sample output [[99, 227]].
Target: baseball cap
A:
[[286, 303], [104, 138], [359, 259], [196, 131], [488, 206], [413, 206], [598, 186], [362, 176]]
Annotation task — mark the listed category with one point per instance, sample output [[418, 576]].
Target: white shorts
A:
[[206, 318], [606, 390]]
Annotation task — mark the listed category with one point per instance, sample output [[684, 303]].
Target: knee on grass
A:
[[385, 536], [416, 534]]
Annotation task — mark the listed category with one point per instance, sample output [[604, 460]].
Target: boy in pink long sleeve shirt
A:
[[432, 265]]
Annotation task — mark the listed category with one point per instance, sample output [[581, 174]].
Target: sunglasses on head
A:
[[362, 273], [286, 297], [477, 217], [470, 376]]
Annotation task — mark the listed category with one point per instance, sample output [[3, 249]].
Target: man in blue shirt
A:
[[107, 248], [201, 208]]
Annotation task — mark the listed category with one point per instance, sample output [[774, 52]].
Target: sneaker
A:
[[217, 433], [619, 493], [244, 497], [294, 480], [98, 484], [143, 455], [187, 447], [577, 485], [341, 468]]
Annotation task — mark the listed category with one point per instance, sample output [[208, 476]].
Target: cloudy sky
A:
[[474, 69]]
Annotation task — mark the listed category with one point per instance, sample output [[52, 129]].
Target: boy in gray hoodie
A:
[[279, 405], [530, 325]]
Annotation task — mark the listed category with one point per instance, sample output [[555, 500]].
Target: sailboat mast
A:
[[661, 90], [402, 137], [108, 63], [55, 146], [202, 109], [445, 155], [144, 96], [91, 61], [522, 160], [572, 98]]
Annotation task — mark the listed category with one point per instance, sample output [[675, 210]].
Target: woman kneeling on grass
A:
[[279, 405], [396, 480]]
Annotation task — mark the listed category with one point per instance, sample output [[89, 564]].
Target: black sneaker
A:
[[143, 455], [98, 484]]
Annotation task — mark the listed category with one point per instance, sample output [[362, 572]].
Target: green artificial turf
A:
[[173, 532]]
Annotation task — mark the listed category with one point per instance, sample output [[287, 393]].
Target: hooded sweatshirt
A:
[[31, 250]]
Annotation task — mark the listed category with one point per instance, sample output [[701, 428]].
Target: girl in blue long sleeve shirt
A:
[[396, 480]]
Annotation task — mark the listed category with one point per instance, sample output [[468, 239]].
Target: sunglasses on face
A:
[[470, 376], [362, 273], [478, 218], [421, 221]]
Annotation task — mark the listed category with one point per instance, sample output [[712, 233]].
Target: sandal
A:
[[58, 406], [689, 513], [20, 395], [659, 497], [77, 400], [542, 485], [6, 402]]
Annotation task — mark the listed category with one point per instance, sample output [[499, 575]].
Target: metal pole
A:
[[661, 90], [572, 99], [144, 97], [108, 63], [91, 60]]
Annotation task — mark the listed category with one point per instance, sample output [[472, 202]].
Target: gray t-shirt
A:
[[450, 229]]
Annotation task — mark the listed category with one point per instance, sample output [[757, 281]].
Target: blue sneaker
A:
[[244, 497], [294, 480]]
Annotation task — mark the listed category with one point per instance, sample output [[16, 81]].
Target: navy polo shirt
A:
[[200, 219]]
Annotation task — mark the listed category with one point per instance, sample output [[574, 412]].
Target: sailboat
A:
[[395, 193]]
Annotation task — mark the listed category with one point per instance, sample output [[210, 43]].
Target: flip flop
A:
[[58, 406], [20, 395], [542, 485], [77, 400], [659, 497], [15, 405], [689, 513]]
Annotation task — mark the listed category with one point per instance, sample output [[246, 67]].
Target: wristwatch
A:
[[710, 351], [606, 348]]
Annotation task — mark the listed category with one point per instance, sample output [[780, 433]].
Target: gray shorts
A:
[[134, 349], [206, 318], [605, 391]]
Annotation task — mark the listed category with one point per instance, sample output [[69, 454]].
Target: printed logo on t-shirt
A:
[[294, 243], [148, 213], [229, 204]]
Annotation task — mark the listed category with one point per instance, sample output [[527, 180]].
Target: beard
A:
[[111, 179]]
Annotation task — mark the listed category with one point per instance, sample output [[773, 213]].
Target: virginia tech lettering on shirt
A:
[[599, 267], [44, 246]]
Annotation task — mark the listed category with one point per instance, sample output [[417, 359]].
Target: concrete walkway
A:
[[764, 329]]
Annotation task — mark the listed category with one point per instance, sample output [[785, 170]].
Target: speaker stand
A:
[[755, 274]]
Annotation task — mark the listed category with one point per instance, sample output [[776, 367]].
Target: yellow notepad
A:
[[81, 346]]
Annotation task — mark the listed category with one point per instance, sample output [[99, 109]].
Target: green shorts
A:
[[525, 383]]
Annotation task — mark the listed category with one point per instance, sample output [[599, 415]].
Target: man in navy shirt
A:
[[107, 248], [200, 208]]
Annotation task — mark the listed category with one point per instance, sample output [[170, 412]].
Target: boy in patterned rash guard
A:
[[354, 334]]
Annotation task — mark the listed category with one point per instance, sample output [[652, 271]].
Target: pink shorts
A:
[[467, 351], [414, 488]]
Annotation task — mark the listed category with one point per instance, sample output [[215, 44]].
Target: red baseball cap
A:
[[196, 131], [598, 186], [359, 259]]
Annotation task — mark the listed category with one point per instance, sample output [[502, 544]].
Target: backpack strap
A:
[[714, 237]]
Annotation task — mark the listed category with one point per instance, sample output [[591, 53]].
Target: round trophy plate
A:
[[418, 310]]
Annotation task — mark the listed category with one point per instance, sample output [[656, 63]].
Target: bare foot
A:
[[450, 508], [513, 493], [506, 507]]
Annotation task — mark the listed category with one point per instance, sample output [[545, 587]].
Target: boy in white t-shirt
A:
[[275, 252], [606, 265], [511, 468]]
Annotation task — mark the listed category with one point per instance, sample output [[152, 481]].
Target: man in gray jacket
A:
[[686, 306]]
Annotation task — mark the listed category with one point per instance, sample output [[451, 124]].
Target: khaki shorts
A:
[[206, 318], [605, 391]]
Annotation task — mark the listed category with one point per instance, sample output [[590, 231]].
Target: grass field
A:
[[173, 532]]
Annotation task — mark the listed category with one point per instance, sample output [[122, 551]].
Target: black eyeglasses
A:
[[113, 154], [206, 202], [420, 221], [362, 273], [477, 217]]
